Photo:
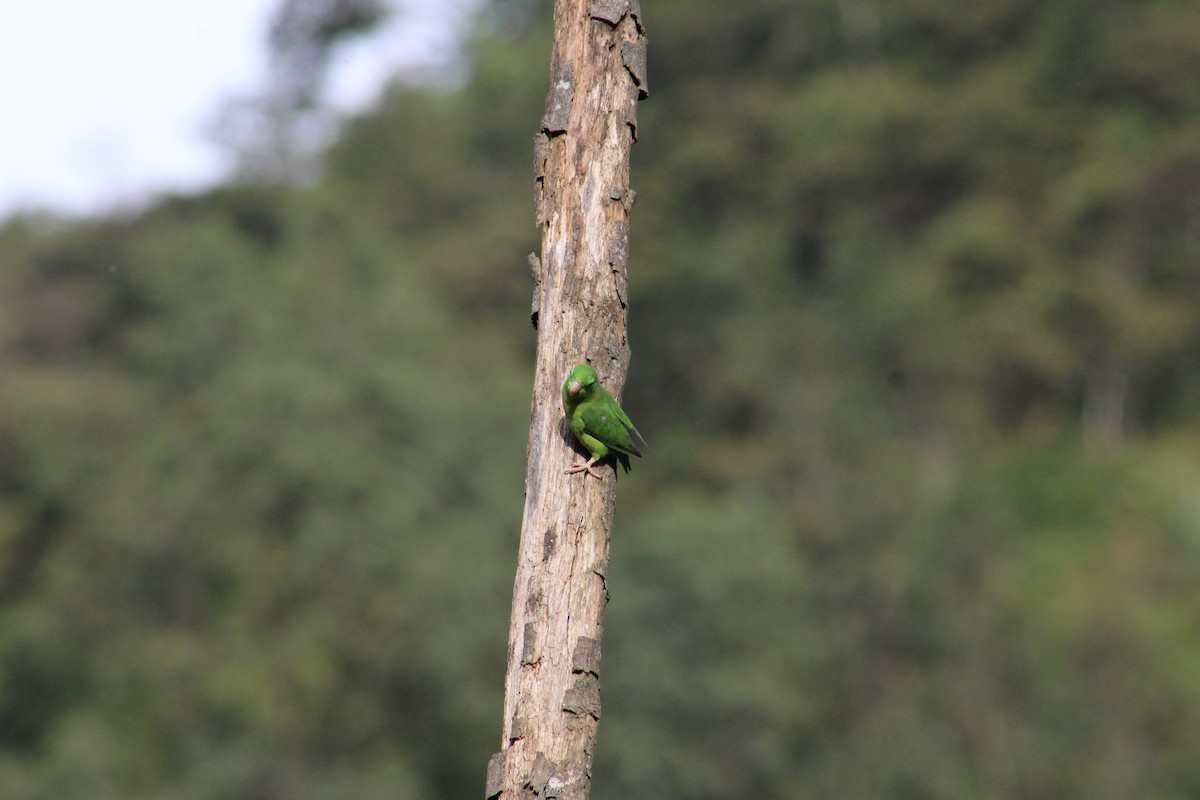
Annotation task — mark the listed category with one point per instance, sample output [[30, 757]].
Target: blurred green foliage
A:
[[913, 312]]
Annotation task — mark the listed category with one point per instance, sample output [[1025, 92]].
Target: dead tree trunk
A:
[[582, 201]]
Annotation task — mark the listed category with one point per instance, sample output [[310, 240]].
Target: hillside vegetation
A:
[[915, 318]]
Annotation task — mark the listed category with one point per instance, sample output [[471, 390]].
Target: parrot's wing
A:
[[608, 423], [627, 422]]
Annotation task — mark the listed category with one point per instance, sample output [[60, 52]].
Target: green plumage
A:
[[597, 420]]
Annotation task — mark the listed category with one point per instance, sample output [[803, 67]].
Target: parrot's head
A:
[[581, 382]]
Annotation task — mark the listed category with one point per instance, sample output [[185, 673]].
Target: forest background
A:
[[914, 316]]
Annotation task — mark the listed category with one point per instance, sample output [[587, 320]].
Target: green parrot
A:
[[597, 420]]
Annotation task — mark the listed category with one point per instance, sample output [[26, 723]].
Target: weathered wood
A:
[[582, 203]]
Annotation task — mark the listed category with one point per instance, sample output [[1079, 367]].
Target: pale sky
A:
[[104, 103]]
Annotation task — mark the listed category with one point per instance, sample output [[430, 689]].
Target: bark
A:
[[582, 202]]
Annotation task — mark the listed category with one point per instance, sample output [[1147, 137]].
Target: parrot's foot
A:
[[585, 468]]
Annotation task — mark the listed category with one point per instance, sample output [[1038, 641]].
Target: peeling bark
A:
[[582, 203]]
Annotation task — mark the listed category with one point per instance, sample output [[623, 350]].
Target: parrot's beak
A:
[[574, 388]]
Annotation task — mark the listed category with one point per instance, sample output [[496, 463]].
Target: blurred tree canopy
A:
[[914, 317]]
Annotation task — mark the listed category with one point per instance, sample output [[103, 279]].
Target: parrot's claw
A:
[[585, 468]]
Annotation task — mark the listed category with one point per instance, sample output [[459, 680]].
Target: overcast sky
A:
[[104, 103]]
